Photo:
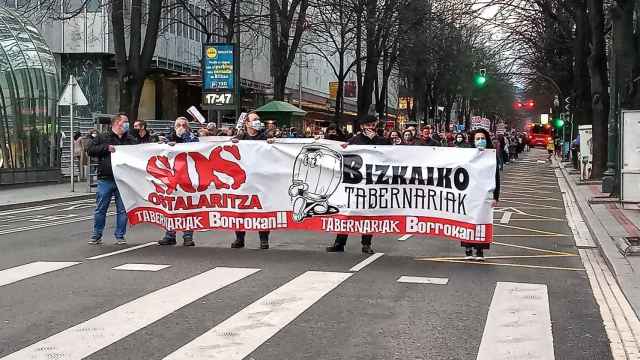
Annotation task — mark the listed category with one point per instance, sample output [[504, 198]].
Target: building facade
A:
[[29, 86]]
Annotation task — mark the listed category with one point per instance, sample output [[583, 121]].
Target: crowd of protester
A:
[[101, 145]]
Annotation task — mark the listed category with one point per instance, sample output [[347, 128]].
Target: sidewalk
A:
[[609, 222], [42, 194]]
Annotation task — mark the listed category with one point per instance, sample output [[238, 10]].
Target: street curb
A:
[[47, 201], [615, 261]]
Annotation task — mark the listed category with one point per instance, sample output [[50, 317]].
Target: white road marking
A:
[[43, 207], [122, 251], [423, 280], [242, 333], [48, 224], [366, 262], [404, 237], [26, 271], [506, 217], [103, 330], [518, 324], [141, 267]]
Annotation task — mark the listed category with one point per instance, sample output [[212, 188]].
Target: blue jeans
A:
[[171, 235], [106, 190]]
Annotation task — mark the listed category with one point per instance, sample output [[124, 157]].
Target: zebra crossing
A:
[[518, 321]]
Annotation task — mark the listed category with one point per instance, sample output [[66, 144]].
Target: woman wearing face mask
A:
[[395, 138], [481, 141], [181, 133], [459, 141]]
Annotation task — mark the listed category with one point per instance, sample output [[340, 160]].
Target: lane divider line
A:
[[366, 262], [404, 237], [422, 280], [122, 251]]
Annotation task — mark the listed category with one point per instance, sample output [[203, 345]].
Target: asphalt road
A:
[[294, 301]]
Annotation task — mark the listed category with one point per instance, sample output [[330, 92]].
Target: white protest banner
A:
[[309, 185]]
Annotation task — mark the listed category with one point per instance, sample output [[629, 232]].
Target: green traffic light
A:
[[558, 123], [480, 80]]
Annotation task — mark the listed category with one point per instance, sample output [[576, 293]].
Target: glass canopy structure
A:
[[29, 86]]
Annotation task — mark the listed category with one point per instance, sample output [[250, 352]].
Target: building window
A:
[[178, 20], [192, 29], [171, 17]]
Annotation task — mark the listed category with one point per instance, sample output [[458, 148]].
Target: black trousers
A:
[[264, 235], [341, 239]]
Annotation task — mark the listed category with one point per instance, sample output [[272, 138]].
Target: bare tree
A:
[[332, 38], [287, 21]]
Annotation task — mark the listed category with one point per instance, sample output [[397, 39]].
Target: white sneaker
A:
[[94, 242], [121, 242]]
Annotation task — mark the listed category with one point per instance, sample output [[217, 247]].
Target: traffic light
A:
[[558, 123], [530, 104], [480, 79]]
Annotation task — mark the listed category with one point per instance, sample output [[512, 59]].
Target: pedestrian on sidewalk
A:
[[482, 141], [551, 149], [101, 148], [254, 129], [181, 133], [368, 136]]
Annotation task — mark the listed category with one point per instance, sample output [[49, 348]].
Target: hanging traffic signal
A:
[[558, 123], [480, 79]]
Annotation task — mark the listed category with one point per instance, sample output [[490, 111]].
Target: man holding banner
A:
[[368, 136]]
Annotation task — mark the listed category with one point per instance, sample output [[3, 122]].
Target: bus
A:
[[540, 135]]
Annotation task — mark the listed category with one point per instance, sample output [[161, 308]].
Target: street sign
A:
[[218, 67], [544, 119], [219, 83], [72, 94], [568, 101]]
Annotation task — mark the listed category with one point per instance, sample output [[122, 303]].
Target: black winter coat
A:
[[361, 139], [99, 148]]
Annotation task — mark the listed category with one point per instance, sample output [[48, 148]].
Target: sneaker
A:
[[264, 244], [95, 242], [237, 244], [166, 241], [121, 242], [479, 255], [468, 254], [335, 248], [188, 242], [366, 249]]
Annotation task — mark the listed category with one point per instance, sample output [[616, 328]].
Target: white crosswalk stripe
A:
[[103, 330], [518, 325], [242, 333], [26, 271]]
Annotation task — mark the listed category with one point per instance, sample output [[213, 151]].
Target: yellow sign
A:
[[405, 103], [212, 52], [333, 89]]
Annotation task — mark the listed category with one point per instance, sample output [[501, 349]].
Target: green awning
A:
[[280, 107]]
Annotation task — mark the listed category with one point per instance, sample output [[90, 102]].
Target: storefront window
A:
[[28, 91]]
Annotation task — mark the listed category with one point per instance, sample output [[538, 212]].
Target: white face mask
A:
[[257, 124]]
